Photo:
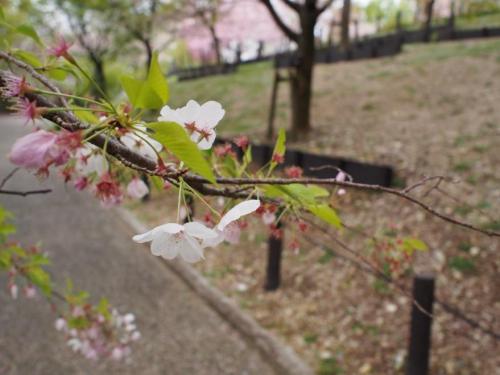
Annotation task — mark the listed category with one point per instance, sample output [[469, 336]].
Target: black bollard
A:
[[273, 274], [421, 321]]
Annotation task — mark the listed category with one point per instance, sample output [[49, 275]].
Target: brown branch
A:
[[292, 35], [372, 269], [146, 165], [25, 193], [346, 184], [8, 177]]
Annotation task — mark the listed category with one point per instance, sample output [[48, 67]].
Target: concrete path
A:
[[181, 334]]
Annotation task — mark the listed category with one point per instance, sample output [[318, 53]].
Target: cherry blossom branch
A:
[[28, 68], [16, 192], [136, 161], [365, 265]]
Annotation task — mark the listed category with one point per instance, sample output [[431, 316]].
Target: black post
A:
[[420, 331], [273, 274]]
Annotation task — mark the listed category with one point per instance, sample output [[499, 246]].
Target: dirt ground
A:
[[424, 117]]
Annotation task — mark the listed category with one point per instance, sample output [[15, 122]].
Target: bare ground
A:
[[424, 116]]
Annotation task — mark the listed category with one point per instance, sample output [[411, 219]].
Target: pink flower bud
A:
[[137, 188], [13, 290], [30, 291], [60, 324], [34, 150]]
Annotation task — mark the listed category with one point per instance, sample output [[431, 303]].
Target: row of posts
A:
[[421, 314]]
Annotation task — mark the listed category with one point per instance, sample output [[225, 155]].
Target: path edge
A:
[[282, 357]]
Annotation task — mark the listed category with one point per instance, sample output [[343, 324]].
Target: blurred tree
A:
[[344, 24], [139, 19], [95, 24], [301, 77], [207, 13]]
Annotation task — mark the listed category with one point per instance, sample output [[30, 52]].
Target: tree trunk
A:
[[429, 6], [216, 44], [301, 78], [346, 20]]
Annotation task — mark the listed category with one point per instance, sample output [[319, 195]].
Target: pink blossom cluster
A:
[[28, 289], [99, 336], [83, 164]]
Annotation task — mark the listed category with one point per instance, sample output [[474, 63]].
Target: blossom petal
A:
[[241, 209], [199, 230], [213, 242], [144, 237], [189, 112], [162, 245], [170, 228], [206, 144], [190, 250], [210, 114]]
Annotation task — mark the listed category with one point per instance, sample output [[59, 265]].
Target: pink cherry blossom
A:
[[34, 150], [137, 188], [14, 86]]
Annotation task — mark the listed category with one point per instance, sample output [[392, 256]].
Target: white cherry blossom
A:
[[198, 120], [170, 240], [227, 229], [142, 143], [88, 161]]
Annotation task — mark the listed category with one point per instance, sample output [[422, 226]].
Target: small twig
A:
[[25, 193], [8, 177], [41, 78]]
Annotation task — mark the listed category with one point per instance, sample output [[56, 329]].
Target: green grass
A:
[[246, 94]]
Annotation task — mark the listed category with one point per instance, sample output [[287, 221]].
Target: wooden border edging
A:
[[279, 355]]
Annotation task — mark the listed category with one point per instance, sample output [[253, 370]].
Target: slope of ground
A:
[[431, 110]]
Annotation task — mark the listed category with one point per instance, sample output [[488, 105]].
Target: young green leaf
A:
[[149, 94], [414, 244], [175, 139], [157, 80], [326, 213], [30, 32], [279, 148]]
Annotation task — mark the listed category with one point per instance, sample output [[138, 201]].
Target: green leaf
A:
[[30, 32], [156, 79], [414, 244], [140, 93], [326, 213], [5, 260], [85, 116], [157, 182], [279, 148], [2, 14], [303, 194], [175, 139], [29, 58], [57, 74], [40, 278], [149, 94]]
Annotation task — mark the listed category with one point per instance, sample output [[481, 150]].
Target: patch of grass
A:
[[329, 366], [462, 166], [463, 210], [492, 225], [327, 257], [480, 148], [462, 264], [368, 107], [218, 273], [310, 338], [464, 246], [381, 287]]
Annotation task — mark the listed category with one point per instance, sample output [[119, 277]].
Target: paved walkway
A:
[[181, 334]]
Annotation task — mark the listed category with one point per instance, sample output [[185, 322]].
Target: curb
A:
[[279, 355]]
